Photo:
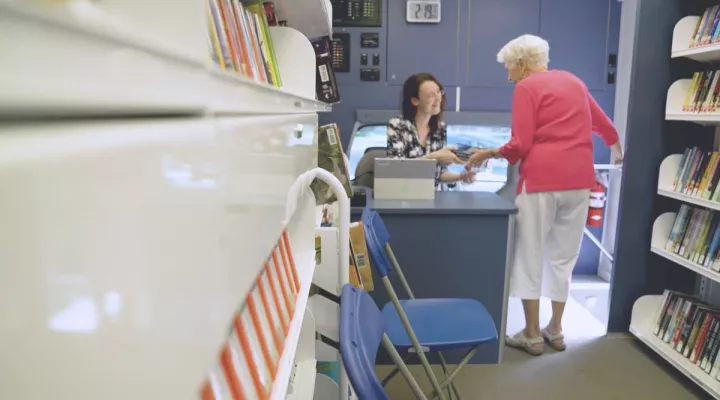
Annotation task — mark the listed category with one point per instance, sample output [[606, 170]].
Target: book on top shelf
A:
[[691, 328], [240, 40], [707, 29], [695, 236], [331, 158], [698, 174], [326, 87]]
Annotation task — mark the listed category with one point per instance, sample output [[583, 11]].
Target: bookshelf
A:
[[171, 189], [682, 33], [104, 65], [689, 98], [644, 312]]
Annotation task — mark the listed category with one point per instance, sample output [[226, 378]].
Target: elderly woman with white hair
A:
[[553, 117]]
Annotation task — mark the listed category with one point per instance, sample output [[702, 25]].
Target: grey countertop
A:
[[472, 203]]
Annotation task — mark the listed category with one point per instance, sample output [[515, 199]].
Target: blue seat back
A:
[[362, 327], [376, 237]]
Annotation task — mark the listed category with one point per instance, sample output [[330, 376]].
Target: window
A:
[[493, 177], [489, 179]]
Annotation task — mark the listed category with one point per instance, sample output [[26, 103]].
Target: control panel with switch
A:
[[369, 40], [370, 74]]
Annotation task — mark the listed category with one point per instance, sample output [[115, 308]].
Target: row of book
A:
[[702, 95], [698, 174], [240, 41], [695, 236], [707, 29], [691, 328], [248, 361]]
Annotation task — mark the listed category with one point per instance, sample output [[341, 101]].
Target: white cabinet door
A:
[[125, 247]]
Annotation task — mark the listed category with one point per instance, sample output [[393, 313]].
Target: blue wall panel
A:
[[490, 24], [578, 36]]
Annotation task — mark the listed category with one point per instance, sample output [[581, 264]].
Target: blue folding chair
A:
[[362, 329], [426, 325]]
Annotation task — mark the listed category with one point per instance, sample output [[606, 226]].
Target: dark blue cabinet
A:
[[578, 34], [429, 48], [491, 24]]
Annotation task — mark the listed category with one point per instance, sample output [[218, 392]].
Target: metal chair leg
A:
[[395, 371], [444, 365], [455, 371]]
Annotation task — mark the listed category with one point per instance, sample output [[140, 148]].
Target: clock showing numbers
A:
[[423, 11]]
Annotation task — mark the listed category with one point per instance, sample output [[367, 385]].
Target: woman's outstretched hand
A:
[[445, 157], [478, 159]]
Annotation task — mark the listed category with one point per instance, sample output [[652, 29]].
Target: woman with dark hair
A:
[[420, 131]]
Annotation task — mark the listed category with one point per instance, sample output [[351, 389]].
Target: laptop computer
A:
[[404, 179]]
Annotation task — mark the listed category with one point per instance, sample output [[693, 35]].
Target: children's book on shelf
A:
[[248, 360], [695, 236], [331, 158], [256, 351], [702, 94], [691, 328], [326, 87], [707, 29], [240, 40], [698, 174]]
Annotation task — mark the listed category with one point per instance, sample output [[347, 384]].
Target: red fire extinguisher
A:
[[597, 204]]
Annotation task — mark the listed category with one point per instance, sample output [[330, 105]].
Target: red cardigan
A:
[[553, 117]]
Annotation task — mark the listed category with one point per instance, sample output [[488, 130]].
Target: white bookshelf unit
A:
[[676, 93], [644, 313], [144, 191], [682, 34], [105, 64], [646, 308]]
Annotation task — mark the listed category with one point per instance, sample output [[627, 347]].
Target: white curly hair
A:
[[534, 50]]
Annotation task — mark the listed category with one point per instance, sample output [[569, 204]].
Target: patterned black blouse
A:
[[403, 142]]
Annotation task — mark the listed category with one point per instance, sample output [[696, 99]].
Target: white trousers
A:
[[548, 233]]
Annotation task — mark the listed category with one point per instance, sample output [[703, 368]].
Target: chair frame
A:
[[400, 365], [419, 349]]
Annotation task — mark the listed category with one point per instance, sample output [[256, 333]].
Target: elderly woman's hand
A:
[[478, 158]]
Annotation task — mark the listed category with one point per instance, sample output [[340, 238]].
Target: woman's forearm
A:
[[449, 177], [495, 153]]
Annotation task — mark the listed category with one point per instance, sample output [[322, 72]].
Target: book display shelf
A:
[[119, 57], [159, 241], [689, 237]]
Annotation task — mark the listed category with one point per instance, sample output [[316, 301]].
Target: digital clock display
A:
[[423, 11]]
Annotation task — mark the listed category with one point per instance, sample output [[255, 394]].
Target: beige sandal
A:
[[557, 342], [520, 341]]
